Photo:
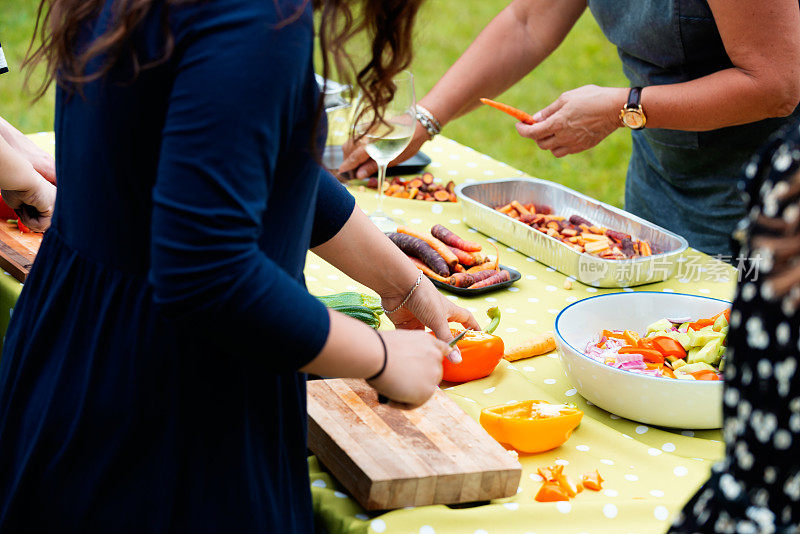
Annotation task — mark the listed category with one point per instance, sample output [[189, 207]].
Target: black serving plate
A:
[[467, 292]]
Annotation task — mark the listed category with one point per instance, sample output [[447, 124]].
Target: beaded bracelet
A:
[[428, 121]]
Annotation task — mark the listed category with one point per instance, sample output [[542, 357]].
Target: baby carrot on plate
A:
[[518, 114]]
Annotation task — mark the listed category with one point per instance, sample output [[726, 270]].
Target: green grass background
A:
[[444, 30]]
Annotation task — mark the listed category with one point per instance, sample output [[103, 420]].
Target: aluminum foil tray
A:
[[478, 201]]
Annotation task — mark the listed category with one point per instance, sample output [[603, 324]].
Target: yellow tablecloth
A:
[[650, 472]]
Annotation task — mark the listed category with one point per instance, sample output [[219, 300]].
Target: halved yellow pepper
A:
[[531, 426]]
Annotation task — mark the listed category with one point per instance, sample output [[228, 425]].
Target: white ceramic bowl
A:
[[653, 400]]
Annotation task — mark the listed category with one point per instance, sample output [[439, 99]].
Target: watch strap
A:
[[634, 97]]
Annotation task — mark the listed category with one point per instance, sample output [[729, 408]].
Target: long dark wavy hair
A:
[[388, 25]]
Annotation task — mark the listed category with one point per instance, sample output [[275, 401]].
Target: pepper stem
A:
[[494, 315]]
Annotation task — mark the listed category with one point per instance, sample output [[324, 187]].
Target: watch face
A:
[[633, 119]]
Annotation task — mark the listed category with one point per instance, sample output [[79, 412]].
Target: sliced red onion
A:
[[679, 320]]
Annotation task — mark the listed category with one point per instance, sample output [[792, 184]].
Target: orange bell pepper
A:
[[668, 347], [650, 355], [701, 323], [631, 337], [613, 335], [531, 426], [549, 473], [705, 374], [480, 352], [592, 481], [551, 491]]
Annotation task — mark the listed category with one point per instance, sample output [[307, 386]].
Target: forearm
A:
[[351, 350], [41, 161], [15, 171], [362, 252], [725, 98], [512, 45]]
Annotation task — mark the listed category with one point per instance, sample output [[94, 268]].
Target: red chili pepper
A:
[[22, 227], [649, 355], [668, 347]]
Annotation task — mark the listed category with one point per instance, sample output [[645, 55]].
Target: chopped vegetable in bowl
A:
[[672, 348]]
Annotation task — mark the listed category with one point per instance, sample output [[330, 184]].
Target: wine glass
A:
[[385, 141]]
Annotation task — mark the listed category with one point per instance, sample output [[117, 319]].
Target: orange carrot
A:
[[488, 264], [437, 245], [427, 270], [446, 236], [464, 258], [536, 346], [518, 114]]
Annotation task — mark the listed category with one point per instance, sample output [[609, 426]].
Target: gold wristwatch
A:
[[632, 115]]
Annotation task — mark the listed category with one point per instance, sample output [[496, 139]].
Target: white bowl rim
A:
[[706, 383]]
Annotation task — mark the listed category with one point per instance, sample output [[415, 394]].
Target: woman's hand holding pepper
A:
[[428, 307], [413, 366], [578, 120]]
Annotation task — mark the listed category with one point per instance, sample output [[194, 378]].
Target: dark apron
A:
[[683, 181]]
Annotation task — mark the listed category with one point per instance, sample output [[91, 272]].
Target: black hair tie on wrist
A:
[[382, 399]]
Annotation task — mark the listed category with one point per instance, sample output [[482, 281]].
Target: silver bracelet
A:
[[416, 285], [428, 121]]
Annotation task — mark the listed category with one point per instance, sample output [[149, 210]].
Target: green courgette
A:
[[365, 308]]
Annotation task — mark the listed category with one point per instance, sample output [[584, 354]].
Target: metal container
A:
[[479, 200]]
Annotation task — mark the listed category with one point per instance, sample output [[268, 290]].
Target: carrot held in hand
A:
[[446, 236], [518, 114], [437, 245], [536, 346]]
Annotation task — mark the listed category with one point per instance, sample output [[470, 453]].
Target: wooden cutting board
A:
[[390, 458], [17, 250]]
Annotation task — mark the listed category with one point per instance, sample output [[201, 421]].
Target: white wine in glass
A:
[[385, 141]]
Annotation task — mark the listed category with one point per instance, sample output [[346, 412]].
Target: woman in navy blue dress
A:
[[152, 375]]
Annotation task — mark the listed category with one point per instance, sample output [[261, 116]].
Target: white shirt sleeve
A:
[[3, 64]]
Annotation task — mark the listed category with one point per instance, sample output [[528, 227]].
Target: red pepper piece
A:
[[650, 355], [668, 347]]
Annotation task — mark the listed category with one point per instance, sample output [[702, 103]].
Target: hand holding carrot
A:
[[578, 120]]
